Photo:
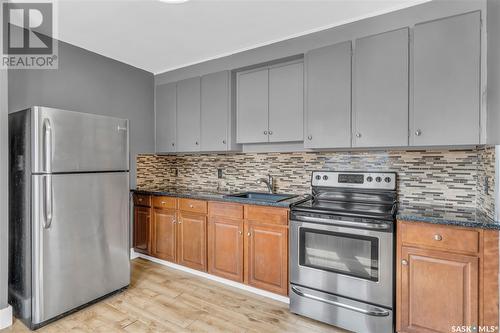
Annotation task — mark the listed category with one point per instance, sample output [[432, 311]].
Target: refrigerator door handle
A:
[[47, 144], [48, 206]]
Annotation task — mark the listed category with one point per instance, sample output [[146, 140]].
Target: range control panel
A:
[[367, 180]]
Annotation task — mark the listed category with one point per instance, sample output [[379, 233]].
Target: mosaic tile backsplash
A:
[[451, 178]]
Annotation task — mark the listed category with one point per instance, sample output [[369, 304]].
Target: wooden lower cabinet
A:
[[243, 243], [192, 240], [164, 234], [266, 256], [446, 277], [142, 226], [439, 290], [225, 248]]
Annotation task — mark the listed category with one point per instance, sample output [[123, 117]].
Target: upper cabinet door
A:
[[286, 103], [166, 109], [188, 115], [252, 106], [328, 97], [447, 81], [215, 111], [380, 107]]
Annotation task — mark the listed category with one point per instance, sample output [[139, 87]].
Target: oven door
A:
[[338, 259]]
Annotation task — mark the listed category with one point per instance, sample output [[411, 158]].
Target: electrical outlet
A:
[[219, 173]]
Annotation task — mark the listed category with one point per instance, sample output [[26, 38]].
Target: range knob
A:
[[387, 179], [369, 179], [318, 177], [325, 177], [378, 179]]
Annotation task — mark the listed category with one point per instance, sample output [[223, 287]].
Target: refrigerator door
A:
[[80, 240], [66, 141]]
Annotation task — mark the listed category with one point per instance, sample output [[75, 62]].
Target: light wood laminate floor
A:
[[162, 299]]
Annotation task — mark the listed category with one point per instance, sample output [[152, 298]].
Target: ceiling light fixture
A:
[[173, 1]]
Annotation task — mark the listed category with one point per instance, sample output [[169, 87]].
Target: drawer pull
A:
[[163, 203], [140, 199], [191, 206], [404, 262], [438, 237]]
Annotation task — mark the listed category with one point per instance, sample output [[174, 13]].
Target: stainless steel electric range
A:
[[342, 251]]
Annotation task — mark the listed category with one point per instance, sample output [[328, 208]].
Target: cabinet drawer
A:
[[164, 202], [142, 200], [195, 206], [266, 215], [448, 238], [226, 210]]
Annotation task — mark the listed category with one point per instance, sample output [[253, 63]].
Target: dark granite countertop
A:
[[461, 217], [217, 196]]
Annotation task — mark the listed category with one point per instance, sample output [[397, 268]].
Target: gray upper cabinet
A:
[[188, 115], [166, 109], [446, 109], [252, 106], [286, 103], [380, 96], [328, 97], [217, 118]]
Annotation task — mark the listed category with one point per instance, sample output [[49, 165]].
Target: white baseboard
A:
[[213, 278], [133, 254], [5, 317]]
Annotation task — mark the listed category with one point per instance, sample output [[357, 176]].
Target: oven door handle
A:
[[376, 225], [375, 312]]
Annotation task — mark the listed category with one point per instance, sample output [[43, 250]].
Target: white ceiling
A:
[[159, 37]]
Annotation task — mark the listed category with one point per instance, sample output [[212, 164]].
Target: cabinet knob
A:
[[224, 142], [418, 132], [240, 232], [270, 132], [173, 221], [173, 144], [265, 132], [249, 234], [191, 206], [163, 202], [404, 262], [438, 237], [140, 199], [309, 137], [196, 143], [178, 222], [358, 135]]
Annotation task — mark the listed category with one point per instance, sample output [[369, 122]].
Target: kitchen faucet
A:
[[269, 183]]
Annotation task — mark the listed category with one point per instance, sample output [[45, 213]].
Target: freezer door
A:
[[66, 141], [80, 240]]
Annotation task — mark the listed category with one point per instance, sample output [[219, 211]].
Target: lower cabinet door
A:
[[225, 248], [164, 234], [142, 229], [266, 257], [191, 240], [439, 291]]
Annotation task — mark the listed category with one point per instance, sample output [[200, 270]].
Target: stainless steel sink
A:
[[259, 196]]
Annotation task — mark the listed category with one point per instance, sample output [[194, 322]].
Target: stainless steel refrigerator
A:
[[69, 211]]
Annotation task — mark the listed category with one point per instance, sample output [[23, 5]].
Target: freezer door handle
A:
[[48, 206], [47, 144]]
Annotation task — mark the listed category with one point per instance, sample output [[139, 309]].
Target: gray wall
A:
[[493, 71], [91, 83]]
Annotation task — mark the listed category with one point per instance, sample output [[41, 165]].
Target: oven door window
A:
[[347, 254]]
